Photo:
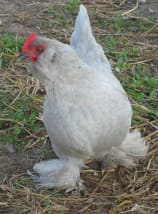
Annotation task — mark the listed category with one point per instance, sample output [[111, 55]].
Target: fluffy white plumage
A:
[[86, 112]]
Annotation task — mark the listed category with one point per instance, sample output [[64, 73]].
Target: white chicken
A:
[[86, 112]]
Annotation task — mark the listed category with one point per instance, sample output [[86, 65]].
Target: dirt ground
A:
[[25, 16], [21, 17]]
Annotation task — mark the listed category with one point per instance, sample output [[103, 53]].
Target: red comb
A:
[[29, 39]]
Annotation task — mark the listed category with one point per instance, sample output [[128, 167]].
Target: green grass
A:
[[139, 24], [62, 16], [120, 49], [58, 14], [9, 46], [142, 89], [121, 24], [72, 5], [21, 181], [19, 119]]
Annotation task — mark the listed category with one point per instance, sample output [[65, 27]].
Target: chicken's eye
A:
[[39, 49]]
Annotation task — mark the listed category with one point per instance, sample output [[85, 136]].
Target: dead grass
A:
[[117, 191]]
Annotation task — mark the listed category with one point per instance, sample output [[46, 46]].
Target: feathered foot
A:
[[58, 174]]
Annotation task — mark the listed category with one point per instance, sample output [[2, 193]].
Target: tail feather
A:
[[130, 151], [134, 145], [82, 32], [85, 45]]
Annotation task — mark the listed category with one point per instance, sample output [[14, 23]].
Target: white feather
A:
[[56, 173], [85, 45], [132, 149]]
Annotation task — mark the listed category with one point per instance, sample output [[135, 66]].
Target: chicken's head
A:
[[31, 49], [50, 60]]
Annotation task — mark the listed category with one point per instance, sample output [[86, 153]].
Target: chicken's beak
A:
[[23, 56]]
